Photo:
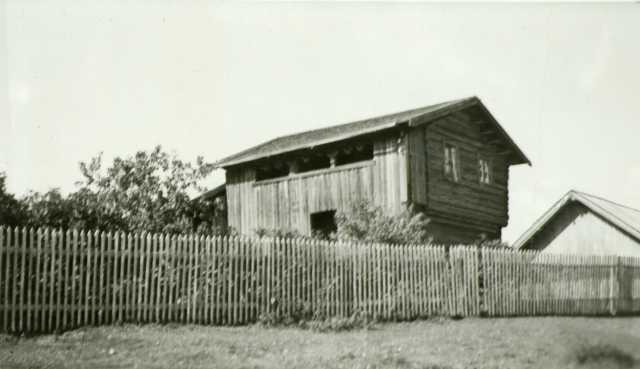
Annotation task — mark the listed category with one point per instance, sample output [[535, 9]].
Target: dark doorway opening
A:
[[323, 223]]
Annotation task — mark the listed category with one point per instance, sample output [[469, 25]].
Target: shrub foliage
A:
[[365, 222]]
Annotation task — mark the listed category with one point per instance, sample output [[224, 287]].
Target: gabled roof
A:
[[621, 216], [313, 138]]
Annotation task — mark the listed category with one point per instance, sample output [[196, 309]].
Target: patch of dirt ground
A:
[[469, 343]]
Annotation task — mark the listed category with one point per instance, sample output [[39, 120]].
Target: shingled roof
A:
[[621, 216], [313, 138]]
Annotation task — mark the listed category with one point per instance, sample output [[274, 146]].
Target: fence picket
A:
[[207, 280], [4, 284], [243, 282], [59, 280], [3, 304], [382, 272], [12, 280], [86, 276], [131, 279], [50, 242], [33, 268], [228, 285], [92, 275], [138, 243]]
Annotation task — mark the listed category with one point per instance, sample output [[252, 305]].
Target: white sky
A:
[[77, 78]]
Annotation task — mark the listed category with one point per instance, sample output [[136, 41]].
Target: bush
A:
[[12, 212], [305, 319], [277, 233], [492, 244], [337, 324], [368, 223]]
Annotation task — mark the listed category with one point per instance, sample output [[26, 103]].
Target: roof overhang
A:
[[416, 120], [213, 193], [521, 158], [228, 163]]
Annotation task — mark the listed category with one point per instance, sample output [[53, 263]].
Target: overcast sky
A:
[[78, 78]]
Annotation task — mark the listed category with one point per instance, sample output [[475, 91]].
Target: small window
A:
[[323, 223], [484, 169], [451, 163]]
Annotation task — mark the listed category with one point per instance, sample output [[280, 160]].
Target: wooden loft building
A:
[[450, 160]]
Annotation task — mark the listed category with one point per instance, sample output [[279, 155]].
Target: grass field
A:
[[469, 343]]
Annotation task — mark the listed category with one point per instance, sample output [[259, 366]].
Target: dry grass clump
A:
[[604, 356]]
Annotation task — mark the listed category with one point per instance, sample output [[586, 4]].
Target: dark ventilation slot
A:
[[356, 154], [271, 172], [314, 163]]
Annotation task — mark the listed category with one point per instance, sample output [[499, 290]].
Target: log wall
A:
[[466, 203]]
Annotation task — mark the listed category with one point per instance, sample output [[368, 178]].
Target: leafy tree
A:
[[148, 191], [12, 211], [365, 222], [49, 209], [80, 209]]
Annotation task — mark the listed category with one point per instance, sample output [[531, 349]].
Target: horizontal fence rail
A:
[[53, 280]]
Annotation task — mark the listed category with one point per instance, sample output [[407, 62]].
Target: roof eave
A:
[[521, 157], [467, 103], [228, 163], [215, 192], [541, 221], [610, 217]]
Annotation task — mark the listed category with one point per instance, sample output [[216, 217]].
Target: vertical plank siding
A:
[[57, 280], [287, 202]]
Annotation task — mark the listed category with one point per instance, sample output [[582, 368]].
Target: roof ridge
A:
[[607, 200], [369, 117], [604, 212]]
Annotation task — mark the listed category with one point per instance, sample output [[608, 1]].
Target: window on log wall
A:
[[484, 169], [451, 162]]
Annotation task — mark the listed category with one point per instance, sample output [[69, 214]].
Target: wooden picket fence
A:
[[532, 283], [53, 280]]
